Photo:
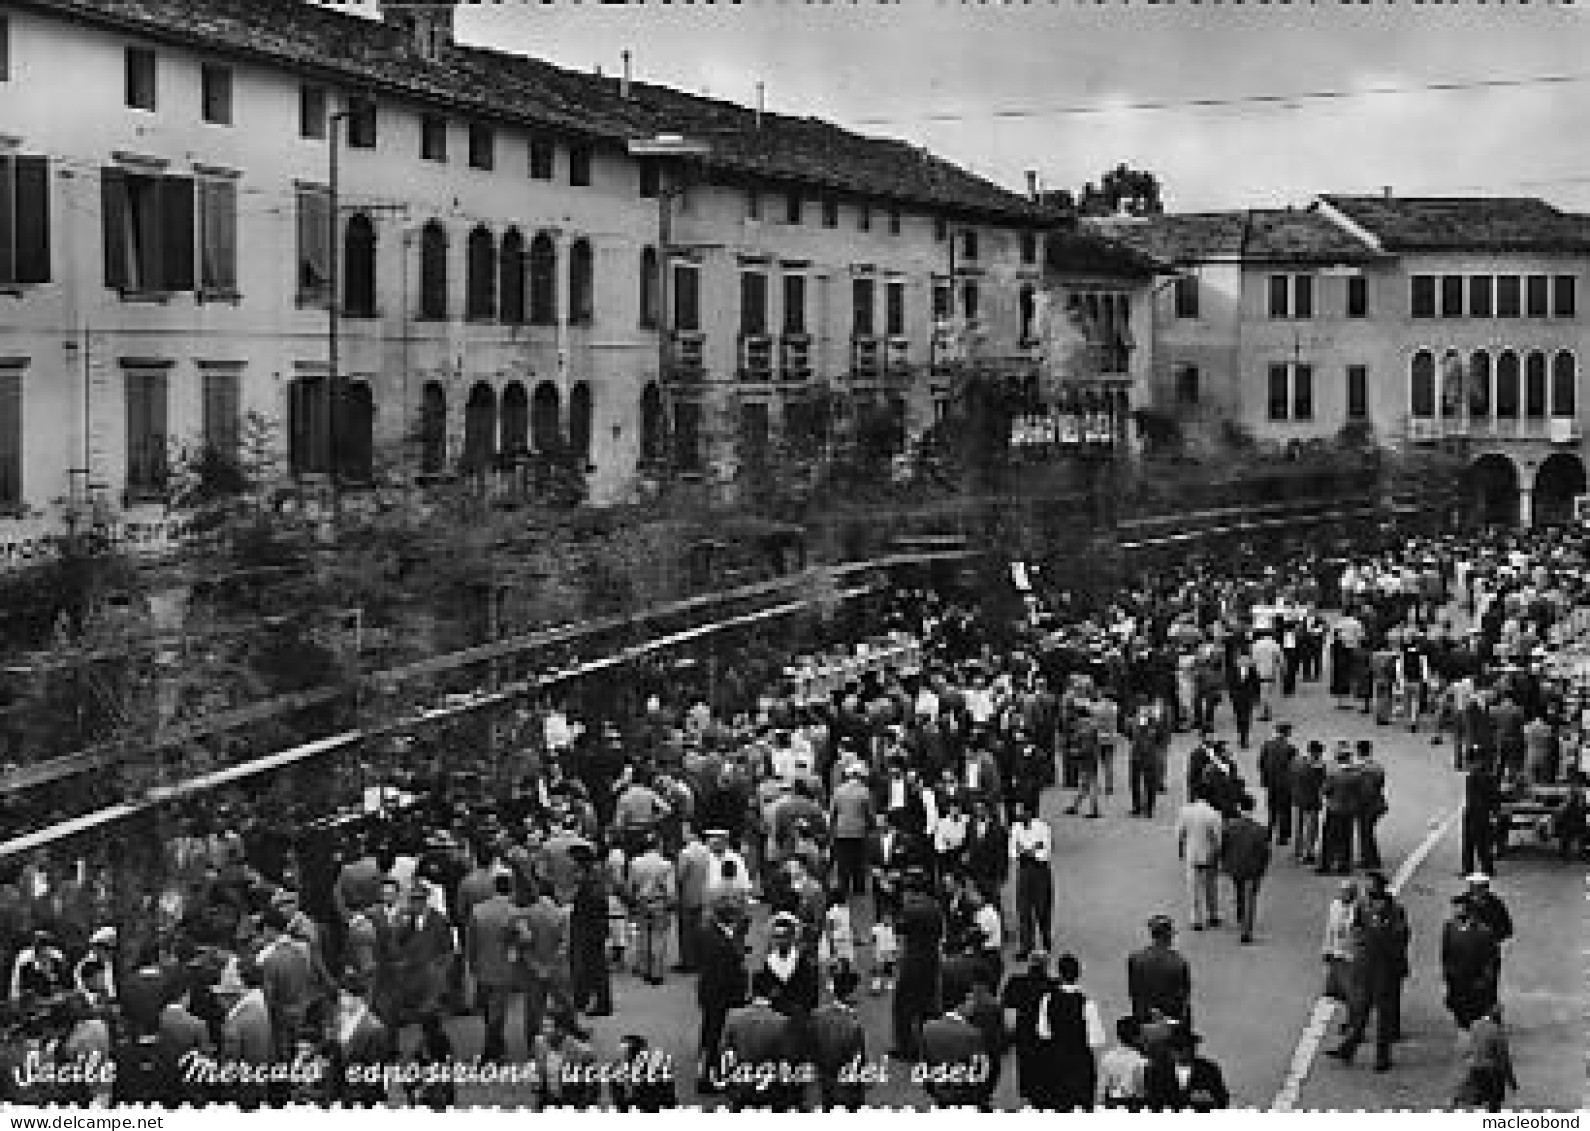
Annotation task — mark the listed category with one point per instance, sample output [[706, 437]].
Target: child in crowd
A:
[[885, 954]]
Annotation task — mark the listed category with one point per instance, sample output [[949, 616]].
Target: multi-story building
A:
[[1422, 321], [391, 244]]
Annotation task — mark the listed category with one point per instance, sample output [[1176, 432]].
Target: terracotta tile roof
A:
[[366, 53], [1292, 235], [1260, 235], [1177, 238], [1458, 223], [1082, 250]]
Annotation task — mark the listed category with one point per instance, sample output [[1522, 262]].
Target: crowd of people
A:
[[868, 823]]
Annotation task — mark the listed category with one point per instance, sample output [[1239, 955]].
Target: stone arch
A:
[[480, 427], [1496, 484], [1558, 481]]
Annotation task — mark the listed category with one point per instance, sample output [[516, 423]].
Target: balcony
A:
[[1555, 430], [865, 359], [795, 357], [897, 355], [756, 358], [686, 357]]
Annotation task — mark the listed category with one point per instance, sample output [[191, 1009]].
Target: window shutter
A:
[[9, 251], [218, 225], [113, 222], [32, 211], [176, 233], [10, 436]]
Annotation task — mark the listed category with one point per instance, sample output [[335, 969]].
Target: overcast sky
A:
[[887, 68]]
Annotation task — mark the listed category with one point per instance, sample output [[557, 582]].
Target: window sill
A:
[[15, 510], [154, 298], [225, 298], [311, 302]]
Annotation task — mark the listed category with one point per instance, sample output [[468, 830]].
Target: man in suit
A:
[[1482, 801], [1245, 854], [759, 1041], [493, 932], [720, 986], [1198, 833], [287, 979], [1158, 979], [1275, 775], [839, 1042], [916, 993], [987, 851], [245, 1026], [1340, 798], [1380, 959], [424, 956], [653, 893], [955, 1055], [544, 957], [792, 967], [694, 869], [364, 1045], [850, 818]]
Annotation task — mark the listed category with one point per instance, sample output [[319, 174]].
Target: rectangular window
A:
[[894, 309], [1480, 291], [1187, 385], [1303, 296], [312, 112], [580, 165], [969, 244], [861, 308], [215, 94], [1421, 301], [1279, 400], [146, 432], [943, 306], [147, 225], [11, 435], [1508, 296], [433, 137], [5, 48], [753, 303], [970, 301], [217, 237], [482, 147], [794, 304], [1451, 296], [894, 221], [792, 208], [687, 297], [1563, 298], [24, 219], [1538, 295], [753, 204], [542, 153], [140, 78], [830, 212], [650, 179], [1280, 296], [1029, 248], [222, 413], [864, 217], [361, 122], [941, 229], [314, 247], [1302, 392], [308, 426], [1357, 392], [1357, 297], [1186, 296]]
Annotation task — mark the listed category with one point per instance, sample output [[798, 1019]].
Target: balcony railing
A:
[[897, 356], [686, 357], [756, 357], [1556, 429], [795, 357], [865, 358]]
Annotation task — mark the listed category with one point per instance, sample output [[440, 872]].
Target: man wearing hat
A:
[[1340, 797], [1488, 907], [720, 987], [1371, 803], [493, 931], [246, 1025], [916, 994], [1380, 958], [851, 818], [1275, 775], [796, 983], [1482, 803], [1471, 960], [758, 1039], [1158, 979]]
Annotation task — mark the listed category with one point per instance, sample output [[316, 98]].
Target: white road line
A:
[[1324, 1009]]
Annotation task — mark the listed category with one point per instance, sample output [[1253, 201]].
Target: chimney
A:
[[1386, 191], [1032, 184], [623, 86], [598, 70], [761, 98]]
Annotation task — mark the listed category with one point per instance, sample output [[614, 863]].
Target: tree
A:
[[1134, 191]]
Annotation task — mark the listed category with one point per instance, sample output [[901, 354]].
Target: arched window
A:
[[582, 284], [1535, 385], [1564, 385], [653, 425], [544, 425], [1480, 385], [510, 288], [358, 267], [1423, 403], [480, 281], [581, 413], [543, 280], [433, 272], [480, 428], [433, 427], [650, 289], [515, 420], [1507, 385], [356, 433]]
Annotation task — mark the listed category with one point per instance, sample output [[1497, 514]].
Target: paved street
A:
[[1252, 1003]]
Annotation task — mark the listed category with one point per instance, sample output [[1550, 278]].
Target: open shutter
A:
[[113, 224], [176, 233], [32, 211], [8, 227], [218, 226], [10, 436]]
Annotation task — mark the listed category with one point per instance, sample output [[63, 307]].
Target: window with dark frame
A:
[[5, 54], [217, 237], [753, 204], [1507, 385], [1535, 385], [687, 297], [830, 212], [1481, 289], [582, 283], [864, 217], [1357, 297], [1029, 248], [753, 303], [1564, 386], [1538, 296], [1279, 401], [1027, 308], [542, 158], [650, 173], [1303, 296], [650, 288], [580, 165], [147, 432], [1186, 294], [361, 122], [970, 300], [480, 275], [312, 112], [1187, 391], [314, 247], [358, 267], [141, 78], [11, 435], [215, 94], [861, 307], [792, 206], [969, 244], [1280, 296], [1564, 300], [221, 409], [433, 272], [433, 137], [1357, 392], [1421, 297], [1451, 296], [1302, 392], [1422, 393], [482, 147], [941, 229], [894, 308], [894, 221], [1509, 296], [795, 304], [148, 231], [24, 219]]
